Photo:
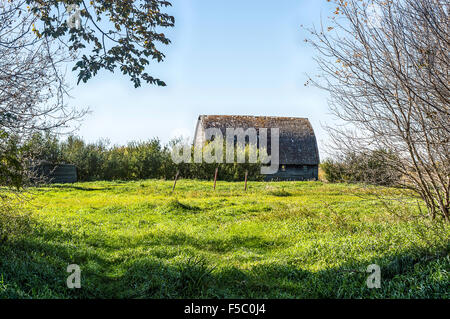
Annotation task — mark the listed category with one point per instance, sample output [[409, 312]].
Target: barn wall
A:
[[295, 173]]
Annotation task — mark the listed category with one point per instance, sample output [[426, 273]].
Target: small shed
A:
[[298, 151], [56, 173]]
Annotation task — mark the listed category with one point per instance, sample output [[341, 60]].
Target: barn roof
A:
[[298, 143]]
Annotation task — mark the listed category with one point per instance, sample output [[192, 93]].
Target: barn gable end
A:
[[299, 155]]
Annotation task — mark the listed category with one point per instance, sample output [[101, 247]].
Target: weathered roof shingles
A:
[[298, 143]]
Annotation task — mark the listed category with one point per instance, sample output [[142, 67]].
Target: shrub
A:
[[13, 224], [136, 160], [361, 168]]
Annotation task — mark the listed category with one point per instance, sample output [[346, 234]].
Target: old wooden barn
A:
[[299, 155]]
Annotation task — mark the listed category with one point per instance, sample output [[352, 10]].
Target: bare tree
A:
[[385, 65], [37, 37], [32, 89]]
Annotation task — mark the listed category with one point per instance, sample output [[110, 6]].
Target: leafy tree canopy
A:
[[107, 34]]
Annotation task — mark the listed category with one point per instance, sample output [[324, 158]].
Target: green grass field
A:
[[277, 240]]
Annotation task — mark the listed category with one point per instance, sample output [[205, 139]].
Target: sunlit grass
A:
[[280, 240]]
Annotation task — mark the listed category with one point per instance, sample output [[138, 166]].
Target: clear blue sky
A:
[[227, 57]]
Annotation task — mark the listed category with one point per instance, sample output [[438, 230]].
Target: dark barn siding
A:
[[57, 173], [295, 173]]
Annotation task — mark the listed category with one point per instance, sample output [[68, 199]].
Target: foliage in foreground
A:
[[124, 35], [280, 240]]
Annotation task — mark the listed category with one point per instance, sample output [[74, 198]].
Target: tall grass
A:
[[277, 240]]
